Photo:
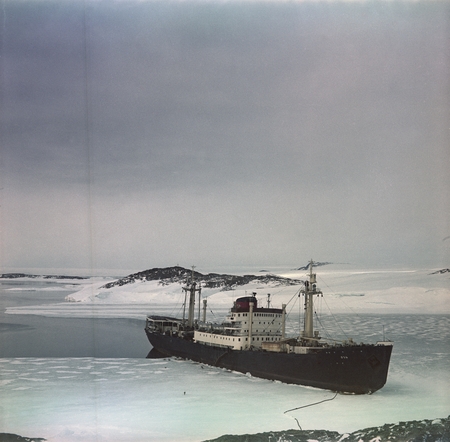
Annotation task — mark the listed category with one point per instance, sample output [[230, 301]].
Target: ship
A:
[[252, 339]]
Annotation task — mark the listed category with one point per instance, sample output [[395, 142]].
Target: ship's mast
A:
[[192, 288], [204, 311], [250, 326], [283, 321], [310, 291]]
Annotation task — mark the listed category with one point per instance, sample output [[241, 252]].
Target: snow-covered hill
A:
[[406, 291], [164, 285], [345, 290]]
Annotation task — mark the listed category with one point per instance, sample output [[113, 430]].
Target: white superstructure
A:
[[245, 326]]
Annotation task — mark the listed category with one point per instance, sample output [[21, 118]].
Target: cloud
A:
[[224, 132]]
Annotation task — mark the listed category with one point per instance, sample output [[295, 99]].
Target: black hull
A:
[[358, 369]]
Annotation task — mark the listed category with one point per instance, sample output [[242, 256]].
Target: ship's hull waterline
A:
[[358, 369]]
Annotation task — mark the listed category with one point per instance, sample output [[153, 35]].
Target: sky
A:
[[139, 134]]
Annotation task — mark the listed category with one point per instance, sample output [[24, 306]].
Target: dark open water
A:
[[40, 336]]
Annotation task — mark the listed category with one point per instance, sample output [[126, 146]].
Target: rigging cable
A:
[[335, 319], [309, 405], [333, 316], [327, 334], [288, 313], [343, 302], [177, 306], [293, 296], [319, 315], [214, 315]]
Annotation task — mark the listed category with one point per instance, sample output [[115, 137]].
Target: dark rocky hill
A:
[[10, 437], [440, 272], [437, 430], [168, 275], [315, 264], [26, 275]]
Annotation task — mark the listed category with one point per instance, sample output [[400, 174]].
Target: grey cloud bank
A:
[[141, 134]]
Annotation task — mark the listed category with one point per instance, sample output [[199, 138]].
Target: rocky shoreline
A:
[[437, 430], [10, 437], [426, 430]]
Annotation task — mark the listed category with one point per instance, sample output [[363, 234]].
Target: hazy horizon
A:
[[205, 269]]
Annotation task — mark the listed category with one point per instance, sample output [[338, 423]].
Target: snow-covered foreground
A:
[[87, 399]]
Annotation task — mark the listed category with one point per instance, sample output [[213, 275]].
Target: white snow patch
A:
[[344, 292]]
